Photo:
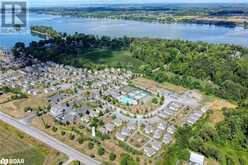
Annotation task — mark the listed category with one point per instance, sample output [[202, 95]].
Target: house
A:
[[148, 129], [167, 138], [162, 126], [196, 159], [93, 114], [125, 132], [117, 122], [69, 117], [156, 145], [103, 131], [157, 134], [57, 111], [163, 115], [120, 136], [171, 129], [149, 151], [85, 119], [109, 127], [131, 126]]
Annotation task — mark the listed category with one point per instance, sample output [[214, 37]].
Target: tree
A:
[[62, 133], [80, 140], [72, 136], [101, 151], [90, 145], [127, 160], [54, 129], [112, 156]]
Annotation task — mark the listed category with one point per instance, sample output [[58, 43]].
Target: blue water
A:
[[127, 100], [119, 28]]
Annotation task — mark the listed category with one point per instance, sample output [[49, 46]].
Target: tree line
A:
[[214, 68]]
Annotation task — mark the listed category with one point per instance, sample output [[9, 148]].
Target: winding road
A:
[[49, 140]]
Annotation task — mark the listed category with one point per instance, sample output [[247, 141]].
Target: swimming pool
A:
[[127, 100]]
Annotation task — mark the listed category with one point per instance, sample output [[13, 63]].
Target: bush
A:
[[72, 136], [80, 140], [54, 129], [112, 156], [91, 145], [62, 133], [101, 151]]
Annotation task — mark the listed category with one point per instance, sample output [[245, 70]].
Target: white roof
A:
[[196, 158]]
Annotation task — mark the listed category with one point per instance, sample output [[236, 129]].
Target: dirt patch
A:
[[216, 107], [12, 110], [16, 108], [5, 98], [212, 162], [218, 104], [154, 86], [138, 140], [53, 157]]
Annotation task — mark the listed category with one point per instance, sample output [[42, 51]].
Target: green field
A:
[[103, 57], [16, 145]]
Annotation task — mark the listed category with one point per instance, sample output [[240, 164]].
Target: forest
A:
[[221, 69], [44, 31]]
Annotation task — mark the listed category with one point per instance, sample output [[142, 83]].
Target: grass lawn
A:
[[93, 56], [15, 144]]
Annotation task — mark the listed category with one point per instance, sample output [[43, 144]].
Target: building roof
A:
[[167, 138], [157, 134], [110, 127], [156, 145], [120, 136], [196, 158], [149, 151], [125, 132]]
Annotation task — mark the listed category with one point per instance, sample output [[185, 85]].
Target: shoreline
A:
[[217, 23]]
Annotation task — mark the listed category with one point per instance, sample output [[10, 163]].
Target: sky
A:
[[77, 2]]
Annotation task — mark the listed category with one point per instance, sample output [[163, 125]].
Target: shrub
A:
[[72, 136], [62, 133], [91, 145], [80, 140], [101, 151], [54, 129], [112, 156]]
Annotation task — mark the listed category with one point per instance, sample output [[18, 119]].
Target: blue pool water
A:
[[127, 100]]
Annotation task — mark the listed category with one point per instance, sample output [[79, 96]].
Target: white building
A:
[[167, 138], [156, 145], [196, 159], [117, 122], [149, 151], [157, 134], [120, 137]]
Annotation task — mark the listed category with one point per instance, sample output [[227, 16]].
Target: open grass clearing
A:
[[15, 144], [15, 108]]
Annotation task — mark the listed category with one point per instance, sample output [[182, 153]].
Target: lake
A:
[[119, 28]]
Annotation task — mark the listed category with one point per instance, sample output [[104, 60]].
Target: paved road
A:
[[50, 141]]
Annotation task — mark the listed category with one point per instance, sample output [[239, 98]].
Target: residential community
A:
[[135, 82], [141, 117]]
